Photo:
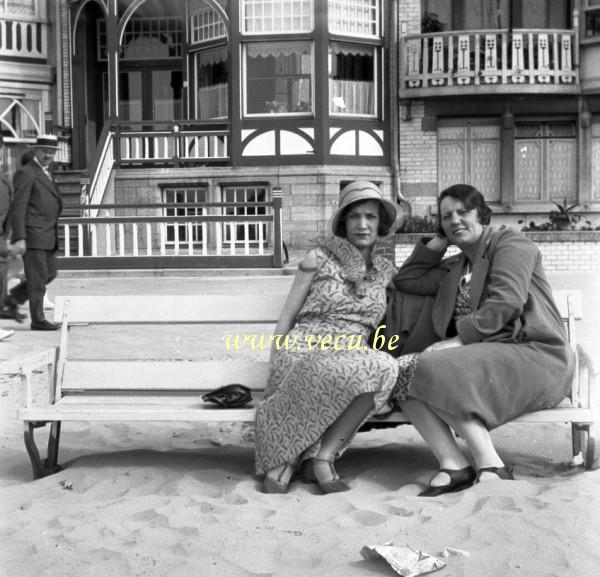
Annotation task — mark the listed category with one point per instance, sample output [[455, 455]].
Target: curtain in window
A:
[[351, 79], [212, 81]]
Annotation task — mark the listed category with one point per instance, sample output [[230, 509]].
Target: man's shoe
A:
[[15, 315], [11, 308], [44, 325]]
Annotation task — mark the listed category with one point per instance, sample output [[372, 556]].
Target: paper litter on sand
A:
[[403, 560]]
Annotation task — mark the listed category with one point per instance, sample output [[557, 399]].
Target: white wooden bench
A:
[[151, 390]]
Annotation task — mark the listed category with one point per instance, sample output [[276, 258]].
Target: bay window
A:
[[351, 79], [279, 78]]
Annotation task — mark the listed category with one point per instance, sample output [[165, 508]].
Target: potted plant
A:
[[564, 217], [417, 224], [431, 23]]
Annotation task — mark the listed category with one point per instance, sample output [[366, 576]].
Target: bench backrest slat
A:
[[263, 308], [162, 375], [203, 309]]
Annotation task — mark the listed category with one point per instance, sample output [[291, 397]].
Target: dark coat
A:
[[5, 200], [516, 357], [36, 208]]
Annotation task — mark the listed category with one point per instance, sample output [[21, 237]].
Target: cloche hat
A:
[[47, 141], [362, 190]]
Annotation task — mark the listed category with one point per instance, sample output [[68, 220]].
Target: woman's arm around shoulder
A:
[[423, 270]]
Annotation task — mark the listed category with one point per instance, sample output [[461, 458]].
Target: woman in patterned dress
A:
[[325, 379], [499, 347]]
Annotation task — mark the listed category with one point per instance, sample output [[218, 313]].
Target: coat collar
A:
[[44, 178], [446, 299], [480, 267]]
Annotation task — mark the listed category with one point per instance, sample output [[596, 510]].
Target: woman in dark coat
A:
[[498, 350]]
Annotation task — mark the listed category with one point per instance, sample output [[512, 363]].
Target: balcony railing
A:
[[497, 60], [175, 145], [25, 39], [146, 236]]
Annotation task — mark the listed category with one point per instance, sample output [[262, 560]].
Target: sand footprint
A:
[[400, 511], [361, 518]]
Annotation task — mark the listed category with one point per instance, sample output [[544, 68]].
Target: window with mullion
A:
[[352, 74], [212, 82], [245, 232], [545, 161], [276, 16], [177, 234], [470, 153], [354, 17], [279, 78]]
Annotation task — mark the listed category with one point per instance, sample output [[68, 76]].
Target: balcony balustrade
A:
[[488, 61], [153, 144], [23, 39]]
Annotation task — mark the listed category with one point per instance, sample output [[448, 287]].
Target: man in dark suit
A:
[[5, 251], [34, 219]]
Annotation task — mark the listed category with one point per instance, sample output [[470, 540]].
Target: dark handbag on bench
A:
[[229, 397]]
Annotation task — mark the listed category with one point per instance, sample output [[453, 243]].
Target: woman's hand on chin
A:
[[438, 243], [446, 344]]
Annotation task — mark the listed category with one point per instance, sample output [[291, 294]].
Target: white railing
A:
[[489, 57], [25, 39], [101, 177], [173, 238], [94, 189], [173, 146], [133, 241]]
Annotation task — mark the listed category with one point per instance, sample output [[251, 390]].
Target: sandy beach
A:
[[181, 501]]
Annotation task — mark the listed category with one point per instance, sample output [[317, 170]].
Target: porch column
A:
[[112, 54]]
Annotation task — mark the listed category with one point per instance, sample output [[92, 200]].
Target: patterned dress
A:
[[310, 385], [407, 364]]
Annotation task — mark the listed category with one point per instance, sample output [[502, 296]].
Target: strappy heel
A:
[[504, 473], [459, 479], [271, 485], [332, 485]]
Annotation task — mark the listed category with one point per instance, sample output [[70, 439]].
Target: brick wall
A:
[[418, 149], [310, 194], [561, 251]]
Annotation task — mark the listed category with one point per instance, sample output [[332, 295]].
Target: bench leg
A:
[[49, 465], [586, 441], [53, 442], [578, 439], [593, 445]]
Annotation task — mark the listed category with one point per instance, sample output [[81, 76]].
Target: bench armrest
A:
[[26, 364], [588, 379]]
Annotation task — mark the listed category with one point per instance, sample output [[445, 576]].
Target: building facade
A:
[[208, 101]]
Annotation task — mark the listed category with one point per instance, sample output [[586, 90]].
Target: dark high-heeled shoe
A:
[[272, 485], [332, 485], [459, 479], [504, 473]]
